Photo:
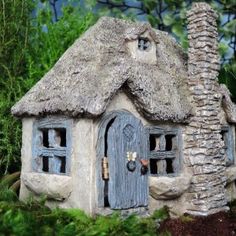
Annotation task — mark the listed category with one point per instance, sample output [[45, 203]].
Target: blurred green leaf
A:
[[154, 21], [178, 29], [117, 1], [90, 3], [168, 19], [228, 76], [223, 48], [231, 26], [149, 5], [183, 13]]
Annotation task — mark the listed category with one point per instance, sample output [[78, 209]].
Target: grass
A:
[[35, 218]]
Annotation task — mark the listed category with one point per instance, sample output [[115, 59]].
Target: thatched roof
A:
[[98, 64]]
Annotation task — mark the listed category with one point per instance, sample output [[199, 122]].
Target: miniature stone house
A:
[[126, 121]]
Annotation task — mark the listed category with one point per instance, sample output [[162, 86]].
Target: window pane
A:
[[57, 137], [223, 134], [169, 166], [143, 44], [63, 165], [227, 137], [153, 166], [45, 164], [154, 140], [62, 134], [59, 164], [45, 137], [169, 142]]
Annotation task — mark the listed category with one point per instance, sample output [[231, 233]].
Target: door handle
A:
[[144, 167], [131, 164]]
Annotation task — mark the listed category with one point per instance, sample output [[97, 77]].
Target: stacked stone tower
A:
[[203, 150]]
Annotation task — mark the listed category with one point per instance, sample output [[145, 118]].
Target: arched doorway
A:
[[123, 142]]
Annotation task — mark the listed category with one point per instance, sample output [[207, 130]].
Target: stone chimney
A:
[[204, 154]]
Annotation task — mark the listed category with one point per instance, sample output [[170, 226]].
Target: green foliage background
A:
[[31, 41], [29, 46], [34, 218]]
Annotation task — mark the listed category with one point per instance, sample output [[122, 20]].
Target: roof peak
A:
[[97, 65]]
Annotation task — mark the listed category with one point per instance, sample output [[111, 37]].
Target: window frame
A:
[[54, 154], [228, 139], [175, 154], [144, 44]]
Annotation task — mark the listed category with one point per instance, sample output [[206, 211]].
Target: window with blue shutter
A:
[[164, 151], [227, 137], [52, 145]]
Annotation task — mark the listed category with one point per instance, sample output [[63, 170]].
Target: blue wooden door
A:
[[127, 189]]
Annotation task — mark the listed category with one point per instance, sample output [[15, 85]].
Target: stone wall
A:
[[203, 145]]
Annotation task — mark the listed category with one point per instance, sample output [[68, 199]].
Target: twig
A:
[[53, 4]]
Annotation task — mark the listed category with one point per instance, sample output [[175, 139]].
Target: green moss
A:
[[186, 218]]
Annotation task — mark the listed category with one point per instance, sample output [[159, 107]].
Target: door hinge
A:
[[105, 170]]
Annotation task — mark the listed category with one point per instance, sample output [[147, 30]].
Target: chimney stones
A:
[[204, 153]]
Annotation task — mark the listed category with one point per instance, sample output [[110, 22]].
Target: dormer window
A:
[[144, 44], [143, 49]]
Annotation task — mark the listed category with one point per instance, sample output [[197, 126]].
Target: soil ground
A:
[[219, 224]]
